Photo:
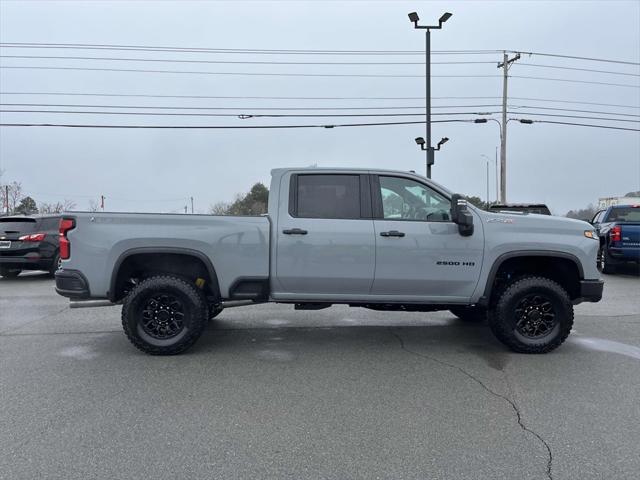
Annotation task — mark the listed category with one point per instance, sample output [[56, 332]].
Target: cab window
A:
[[406, 199]]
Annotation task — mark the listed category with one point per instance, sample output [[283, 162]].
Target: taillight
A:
[[615, 234], [34, 237], [66, 224]]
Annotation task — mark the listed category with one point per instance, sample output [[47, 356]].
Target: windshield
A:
[[624, 215]]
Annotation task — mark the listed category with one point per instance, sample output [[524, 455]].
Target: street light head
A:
[[413, 16], [445, 16], [480, 120], [443, 141], [526, 121], [420, 141]]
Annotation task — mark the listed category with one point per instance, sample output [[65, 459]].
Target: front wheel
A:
[[164, 315], [605, 264], [532, 315]]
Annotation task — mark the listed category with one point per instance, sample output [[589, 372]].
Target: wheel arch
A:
[[213, 285], [565, 275]]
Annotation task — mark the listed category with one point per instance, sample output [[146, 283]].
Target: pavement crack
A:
[[512, 403]]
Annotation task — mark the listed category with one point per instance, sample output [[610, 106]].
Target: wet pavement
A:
[[269, 392]]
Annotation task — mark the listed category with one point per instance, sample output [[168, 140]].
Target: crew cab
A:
[[378, 239], [618, 229]]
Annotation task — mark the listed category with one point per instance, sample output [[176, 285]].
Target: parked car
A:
[[29, 243], [618, 228], [383, 240], [539, 208]]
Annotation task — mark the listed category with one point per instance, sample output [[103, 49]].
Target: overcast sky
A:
[[157, 170]]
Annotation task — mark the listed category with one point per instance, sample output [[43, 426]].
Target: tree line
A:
[[15, 201]]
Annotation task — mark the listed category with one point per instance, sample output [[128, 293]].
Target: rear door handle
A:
[[294, 231], [392, 233]]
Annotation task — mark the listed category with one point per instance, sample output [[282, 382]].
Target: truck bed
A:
[[237, 246]]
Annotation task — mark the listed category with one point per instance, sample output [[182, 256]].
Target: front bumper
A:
[[72, 284], [590, 290]]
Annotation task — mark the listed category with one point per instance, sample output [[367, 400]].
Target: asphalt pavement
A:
[[341, 393]]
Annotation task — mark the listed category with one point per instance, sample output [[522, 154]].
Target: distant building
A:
[[605, 202]]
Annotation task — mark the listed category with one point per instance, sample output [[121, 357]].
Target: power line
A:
[[571, 110], [227, 97], [280, 74], [227, 127], [570, 81], [154, 107], [253, 109], [146, 48], [584, 125], [572, 57], [571, 116], [524, 64], [246, 115], [243, 62], [251, 74]]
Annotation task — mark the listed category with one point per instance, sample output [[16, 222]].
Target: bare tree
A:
[[15, 195], [68, 205], [93, 205], [220, 208]]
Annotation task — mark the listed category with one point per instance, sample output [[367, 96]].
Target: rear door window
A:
[[17, 225], [328, 196]]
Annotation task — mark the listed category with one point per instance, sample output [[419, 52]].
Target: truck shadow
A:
[[289, 344]]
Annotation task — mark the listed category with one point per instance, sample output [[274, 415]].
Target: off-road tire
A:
[[474, 314], [503, 316], [195, 312], [605, 262], [9, 272]]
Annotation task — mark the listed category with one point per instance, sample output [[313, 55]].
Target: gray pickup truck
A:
[[383, 240]]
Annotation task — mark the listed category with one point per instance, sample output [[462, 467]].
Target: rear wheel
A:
[[532, 315], [55, 265], [164, 315], [9, 272], [470, 314]]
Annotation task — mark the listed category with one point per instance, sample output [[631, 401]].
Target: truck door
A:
[[325, 239], [419, 251]]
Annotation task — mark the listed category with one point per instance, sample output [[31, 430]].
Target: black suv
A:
[[29, 243]]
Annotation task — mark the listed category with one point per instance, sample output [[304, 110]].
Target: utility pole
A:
[[6, 197], [185, 209], [413, 17], [497, 179], [191, 204], [488, 201], [506, 62], [102, 197]]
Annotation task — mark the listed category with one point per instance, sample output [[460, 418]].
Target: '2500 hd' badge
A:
[[455, 264]]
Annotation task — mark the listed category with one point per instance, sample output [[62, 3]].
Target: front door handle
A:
[[294, 231], [392, 233]]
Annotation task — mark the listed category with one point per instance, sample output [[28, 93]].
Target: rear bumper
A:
[[625, 254], [26, 262], [590, 291], [72, 284]]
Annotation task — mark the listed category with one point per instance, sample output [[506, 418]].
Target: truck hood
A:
[[536, 221]]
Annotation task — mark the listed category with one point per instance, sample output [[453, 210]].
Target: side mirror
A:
[[461, 215]]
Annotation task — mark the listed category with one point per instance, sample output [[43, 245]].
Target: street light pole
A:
[[413, 16]]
